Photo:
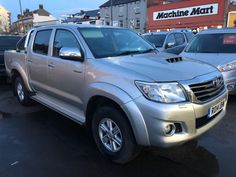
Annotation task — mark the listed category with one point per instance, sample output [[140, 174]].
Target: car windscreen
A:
[[156, 39], [8, 42], [213, 43], [110, 42]]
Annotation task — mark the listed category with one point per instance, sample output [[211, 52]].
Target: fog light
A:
[[169, 129], [230, 87]]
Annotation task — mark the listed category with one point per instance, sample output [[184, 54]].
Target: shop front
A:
[[187, 14]]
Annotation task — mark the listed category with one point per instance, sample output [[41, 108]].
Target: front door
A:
[[66, 77]]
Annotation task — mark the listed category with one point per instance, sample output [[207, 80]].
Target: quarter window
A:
[[41, 42], [64, 38], [179, 39]]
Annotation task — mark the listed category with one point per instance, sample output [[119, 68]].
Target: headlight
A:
[[228, 67], [162, 92]]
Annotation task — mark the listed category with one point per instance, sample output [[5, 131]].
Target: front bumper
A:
[[230, 81], [157, 115]]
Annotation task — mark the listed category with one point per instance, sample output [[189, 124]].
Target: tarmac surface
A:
[[38, 142]]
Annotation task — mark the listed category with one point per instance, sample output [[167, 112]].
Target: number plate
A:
[[216, 108]]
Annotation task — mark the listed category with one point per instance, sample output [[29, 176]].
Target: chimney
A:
[[40, 6]]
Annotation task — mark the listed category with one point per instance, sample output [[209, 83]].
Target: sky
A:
[[55, 7]]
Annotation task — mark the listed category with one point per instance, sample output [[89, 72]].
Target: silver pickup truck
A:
[[111, 80]]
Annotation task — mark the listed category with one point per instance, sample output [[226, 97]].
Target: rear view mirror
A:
[[170, 45], [71, 53]]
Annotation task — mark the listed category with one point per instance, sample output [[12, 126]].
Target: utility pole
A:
[[111, 1]]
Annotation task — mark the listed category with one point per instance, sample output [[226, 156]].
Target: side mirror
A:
[[170, 45], [71, 53]]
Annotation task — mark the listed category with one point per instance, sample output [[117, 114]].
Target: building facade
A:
[[34, 18], [188, 14], [5, 20], [125, 13]]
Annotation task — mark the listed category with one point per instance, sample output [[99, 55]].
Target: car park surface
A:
[[36, 141], [218, 48]]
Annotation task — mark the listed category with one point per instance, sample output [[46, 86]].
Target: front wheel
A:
[[113, 135], [21, 92]]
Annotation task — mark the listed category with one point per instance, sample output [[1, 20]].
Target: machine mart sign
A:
[[195, 11]]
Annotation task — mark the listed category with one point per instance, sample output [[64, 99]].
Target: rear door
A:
[[38, 60], [66, 77]]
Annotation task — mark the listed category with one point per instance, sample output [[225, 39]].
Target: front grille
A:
[[207, 90], [200, 122]]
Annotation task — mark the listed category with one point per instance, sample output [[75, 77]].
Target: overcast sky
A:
[[55, 7]]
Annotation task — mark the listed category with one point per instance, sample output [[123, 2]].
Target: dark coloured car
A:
[[7, 42], [173, 41]]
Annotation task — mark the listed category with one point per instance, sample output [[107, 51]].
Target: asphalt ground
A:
[[38, 142]]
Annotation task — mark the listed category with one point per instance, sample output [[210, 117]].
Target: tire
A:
[[21, 92], [123, 147]]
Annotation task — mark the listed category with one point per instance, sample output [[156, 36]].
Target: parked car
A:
[[118, 85], [173, 41], [218, 48], [7, 42]]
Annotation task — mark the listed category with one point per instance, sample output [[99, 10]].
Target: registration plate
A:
[[216, 108]]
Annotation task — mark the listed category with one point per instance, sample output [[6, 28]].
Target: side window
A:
[[64, 38], [41, 42], [171, 39], [179, 38]]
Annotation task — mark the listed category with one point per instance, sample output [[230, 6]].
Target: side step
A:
[[61, 107]]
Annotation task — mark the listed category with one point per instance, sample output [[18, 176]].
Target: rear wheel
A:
[[113, 135], [21, 92]]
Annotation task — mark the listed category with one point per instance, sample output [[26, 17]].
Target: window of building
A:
[[121, 10], [107, 13], [41, 42], [137, 23], [121, 24], [137, 7]]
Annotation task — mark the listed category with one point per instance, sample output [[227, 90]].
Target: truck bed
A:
[[15, 60]]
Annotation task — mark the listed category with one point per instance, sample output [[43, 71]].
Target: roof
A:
[[91, 13], [116, 2], [41, 12], [215, 30], [76, 26]]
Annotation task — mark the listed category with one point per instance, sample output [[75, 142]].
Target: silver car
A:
[[115, 83], [218, 48]]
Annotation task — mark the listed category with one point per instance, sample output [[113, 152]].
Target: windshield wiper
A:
[[148, 50], [135, 52], [128, 52]]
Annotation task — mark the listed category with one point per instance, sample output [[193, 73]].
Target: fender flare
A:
[[126, 103], [16, 66]]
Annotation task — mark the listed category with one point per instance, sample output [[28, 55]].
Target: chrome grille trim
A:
[[201, 89], [206, 90]]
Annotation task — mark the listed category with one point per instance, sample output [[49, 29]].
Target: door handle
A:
[[76, 71], [30, 61], [51, 66]]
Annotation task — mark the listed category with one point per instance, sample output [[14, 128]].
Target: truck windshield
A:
[[213, 43], [111, 42]]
